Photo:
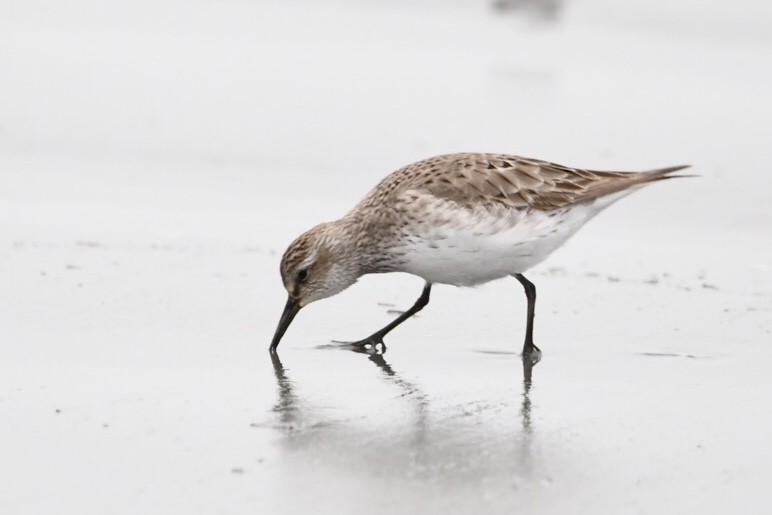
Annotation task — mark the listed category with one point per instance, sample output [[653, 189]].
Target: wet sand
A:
[[143, 231]]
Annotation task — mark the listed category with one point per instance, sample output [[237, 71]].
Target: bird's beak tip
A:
[[290, 310]]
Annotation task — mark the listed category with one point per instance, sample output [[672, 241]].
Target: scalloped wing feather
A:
[[476, 180]]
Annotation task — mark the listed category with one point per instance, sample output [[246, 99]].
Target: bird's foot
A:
[[371, 344], [531, 354]]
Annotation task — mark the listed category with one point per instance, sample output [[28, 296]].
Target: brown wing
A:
[[474, 179]]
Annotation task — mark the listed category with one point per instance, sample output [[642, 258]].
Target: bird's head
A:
[[318, 264]]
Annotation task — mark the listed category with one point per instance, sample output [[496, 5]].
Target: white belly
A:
[[471, 248]]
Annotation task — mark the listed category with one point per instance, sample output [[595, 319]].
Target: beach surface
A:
[[156, 158]]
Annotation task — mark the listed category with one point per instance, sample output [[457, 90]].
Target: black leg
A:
[[530, 351], [377, 337]]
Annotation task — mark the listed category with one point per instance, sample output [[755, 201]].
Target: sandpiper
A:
[[461, 219]]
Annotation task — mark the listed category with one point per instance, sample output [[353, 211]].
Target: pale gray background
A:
[[156, 157]]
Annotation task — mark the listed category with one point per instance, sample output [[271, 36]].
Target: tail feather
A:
[[621, 184], [663, 173]]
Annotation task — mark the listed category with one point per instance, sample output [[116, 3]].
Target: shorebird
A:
[[461, 219]]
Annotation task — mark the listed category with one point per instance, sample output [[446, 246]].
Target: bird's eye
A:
[[303, 275]]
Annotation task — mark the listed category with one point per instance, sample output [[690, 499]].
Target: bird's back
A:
[[477, 180]]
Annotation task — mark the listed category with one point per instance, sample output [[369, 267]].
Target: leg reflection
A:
[[406, 386], [410, 391], [525, 408], [524, 445], [381, 363]]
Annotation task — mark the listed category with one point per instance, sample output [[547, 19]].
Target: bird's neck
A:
[[364, 245]]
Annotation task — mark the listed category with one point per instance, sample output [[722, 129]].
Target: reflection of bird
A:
[[294, 415], [460, 219], [525, 409], [419, 437], [381, 363], [286, 407]]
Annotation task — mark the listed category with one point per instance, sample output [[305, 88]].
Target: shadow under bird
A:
[[461, 219]]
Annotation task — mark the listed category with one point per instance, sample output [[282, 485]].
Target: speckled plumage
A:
[[488, 180], [461, 219]]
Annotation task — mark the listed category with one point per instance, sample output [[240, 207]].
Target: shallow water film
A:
[[156, 158]]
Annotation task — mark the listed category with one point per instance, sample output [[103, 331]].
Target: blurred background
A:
[[172, 104], [157, 156]]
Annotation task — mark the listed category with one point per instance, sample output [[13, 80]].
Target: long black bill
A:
[[290, 310]]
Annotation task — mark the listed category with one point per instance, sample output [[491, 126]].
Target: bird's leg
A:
[[377, 337], [530, 351]]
